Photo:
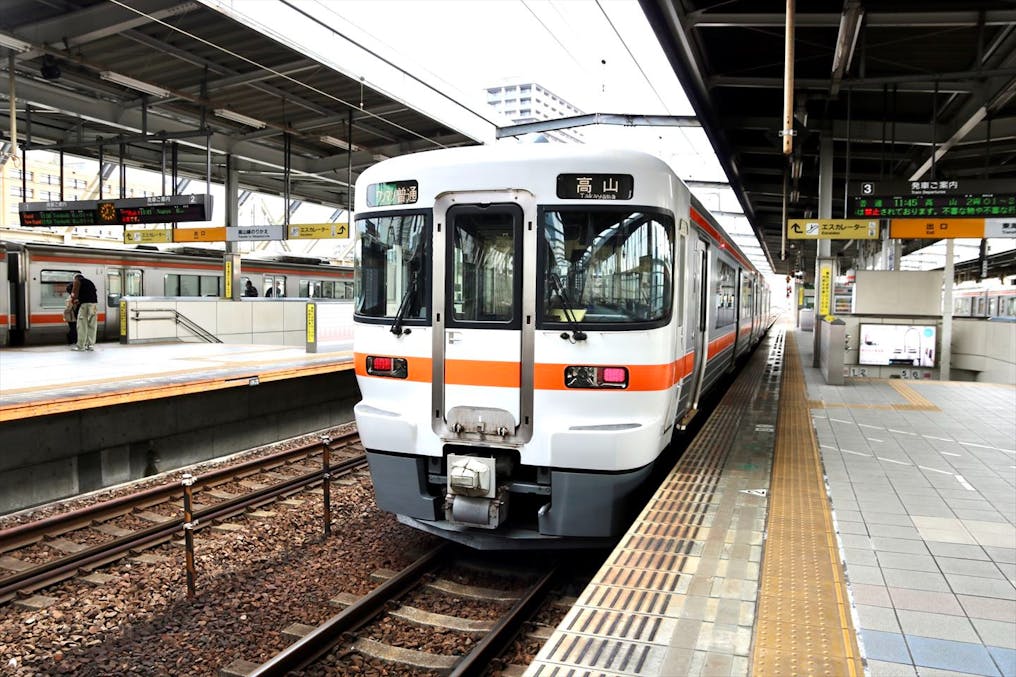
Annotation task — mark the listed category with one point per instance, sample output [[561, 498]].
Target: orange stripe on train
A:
[[641, 377]]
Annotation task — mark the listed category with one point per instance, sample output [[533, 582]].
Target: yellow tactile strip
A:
[[803, 624]]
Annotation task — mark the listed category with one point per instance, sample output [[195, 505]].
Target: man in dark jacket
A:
[[86, 297]]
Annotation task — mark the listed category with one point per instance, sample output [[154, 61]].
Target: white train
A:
[[533, 324], [34, 278]]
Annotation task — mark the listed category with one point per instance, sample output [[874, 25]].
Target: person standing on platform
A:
[[250, 289], [87, 299], [70, 315]]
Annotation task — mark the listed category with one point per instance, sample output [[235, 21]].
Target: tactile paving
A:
[[803, 622], [678, 594]]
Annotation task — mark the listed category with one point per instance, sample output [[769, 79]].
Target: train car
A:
[[37, 275], [993, 301], [532, 324]]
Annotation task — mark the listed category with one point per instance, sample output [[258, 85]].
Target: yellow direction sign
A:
[[318, 231], [832, 229], [199, 234], [148, 236]]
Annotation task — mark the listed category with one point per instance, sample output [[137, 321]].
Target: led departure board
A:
[[162, 209], [946, 198]]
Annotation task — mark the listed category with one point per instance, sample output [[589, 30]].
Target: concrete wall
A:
[[50, 457], [986, 349], [261, 321], [889, 292]]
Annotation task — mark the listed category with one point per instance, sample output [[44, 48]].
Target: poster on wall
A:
[[897, 344]]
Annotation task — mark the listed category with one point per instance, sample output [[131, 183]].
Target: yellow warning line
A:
[[804, 624]]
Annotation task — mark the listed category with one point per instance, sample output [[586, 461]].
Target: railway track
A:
[[37, 554], [439, 571]]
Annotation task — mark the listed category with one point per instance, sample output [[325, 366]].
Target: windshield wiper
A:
[[573, 324], [404, 306]]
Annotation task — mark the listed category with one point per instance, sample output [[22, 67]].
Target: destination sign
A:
[[318, 231], [832, 229], [392, 193], [595, 186], [129, 211]]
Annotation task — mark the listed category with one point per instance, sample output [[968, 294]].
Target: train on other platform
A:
[[532, 325], [34, 278], [996, 301]]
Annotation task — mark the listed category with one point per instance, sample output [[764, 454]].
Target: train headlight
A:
[[392, 367], [596, 377]]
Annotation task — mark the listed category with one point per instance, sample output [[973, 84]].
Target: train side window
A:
[[208, 285], [114, 287], [132, 278], [53, 287]]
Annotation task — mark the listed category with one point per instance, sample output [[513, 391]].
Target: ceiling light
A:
[[139, 85], [11, 42], [241, 118], [338, 143]]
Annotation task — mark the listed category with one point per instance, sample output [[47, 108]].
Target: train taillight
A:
[[596, 377], [392, 367]]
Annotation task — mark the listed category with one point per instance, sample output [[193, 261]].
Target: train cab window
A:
[[53, 287], [391, 267], [607, 266], [483, 255]]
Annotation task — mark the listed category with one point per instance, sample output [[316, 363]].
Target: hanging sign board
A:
[[199, 234], [253, 233], [952, 198], [150, 236], [944, 228], [832, 229], [318, 231]]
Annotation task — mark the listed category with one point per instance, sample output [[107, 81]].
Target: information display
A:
[[897, 344], [947, 198], [129, 211]]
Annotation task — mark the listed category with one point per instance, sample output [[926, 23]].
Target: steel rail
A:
[[66, 567], [323, 639], [29, 532], [477, 661]]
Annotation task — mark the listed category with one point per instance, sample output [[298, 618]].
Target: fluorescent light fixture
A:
[[241, 118], [139, 85], [11, 42], [338, 143]]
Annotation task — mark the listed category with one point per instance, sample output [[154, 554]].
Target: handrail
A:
[[181, 319]]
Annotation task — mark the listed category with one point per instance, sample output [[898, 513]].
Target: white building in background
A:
[[530, 102]]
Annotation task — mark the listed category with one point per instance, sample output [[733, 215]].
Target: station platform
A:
[[38, 381], [868, 528], [73, 422]]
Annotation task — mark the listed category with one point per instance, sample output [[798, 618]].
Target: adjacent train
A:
[[997, 302], [35, 278], [532, 325]]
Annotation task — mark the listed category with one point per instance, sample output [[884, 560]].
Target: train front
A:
[[514, 340]]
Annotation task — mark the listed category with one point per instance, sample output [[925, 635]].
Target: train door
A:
[[479, 365], [700, 330], [120, 282], [274, 286]]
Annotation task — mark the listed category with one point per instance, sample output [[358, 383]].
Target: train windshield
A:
[[607, 266], [391, 267]]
